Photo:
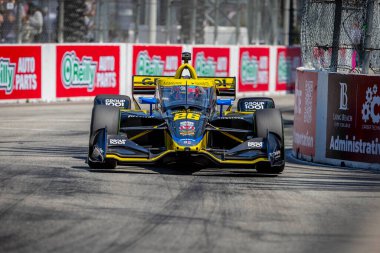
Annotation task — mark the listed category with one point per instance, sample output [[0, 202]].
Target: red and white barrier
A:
[[337, 119], [51, 72]]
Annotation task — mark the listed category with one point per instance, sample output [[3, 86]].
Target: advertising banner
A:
[[288, 60], [156, 60], [87, 70], [305, 106], [20, 72], [353, 120], [212, 61], [253, 69]]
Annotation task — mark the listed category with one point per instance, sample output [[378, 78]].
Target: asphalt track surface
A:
[[51, 202]]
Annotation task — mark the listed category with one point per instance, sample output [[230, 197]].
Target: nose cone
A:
[[187, 132]]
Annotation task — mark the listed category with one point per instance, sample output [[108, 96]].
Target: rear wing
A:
[[146, 85], [225, 86]]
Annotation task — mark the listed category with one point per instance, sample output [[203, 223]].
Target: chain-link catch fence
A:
[[341, 35]]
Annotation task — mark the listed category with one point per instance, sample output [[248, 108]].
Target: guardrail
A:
[[53, 72]]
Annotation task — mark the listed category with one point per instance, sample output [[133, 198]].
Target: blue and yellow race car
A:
[[187, 120]]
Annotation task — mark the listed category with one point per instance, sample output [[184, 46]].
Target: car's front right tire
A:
[[103, 117]]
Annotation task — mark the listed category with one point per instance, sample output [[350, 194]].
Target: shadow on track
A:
[[202, 172]]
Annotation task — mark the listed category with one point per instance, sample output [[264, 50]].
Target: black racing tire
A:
[[103, 117], [107, 165], [270, 120], [265, 168]]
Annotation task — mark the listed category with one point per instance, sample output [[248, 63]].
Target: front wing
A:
[[125, 151]]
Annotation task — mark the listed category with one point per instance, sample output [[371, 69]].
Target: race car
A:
[[188, 120]]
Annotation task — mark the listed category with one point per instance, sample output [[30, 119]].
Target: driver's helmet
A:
[[176, 93], [195, 92]]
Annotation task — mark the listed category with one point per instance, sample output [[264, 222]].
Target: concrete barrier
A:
[[337, 119], [53, 72]]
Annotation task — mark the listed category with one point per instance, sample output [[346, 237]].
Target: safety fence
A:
[[51, 72], [337, 118], [151, 21], [341, 36]]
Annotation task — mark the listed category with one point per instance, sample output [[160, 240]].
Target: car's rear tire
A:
[[270, 120], [103, 117]]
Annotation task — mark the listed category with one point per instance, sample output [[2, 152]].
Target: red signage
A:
[[353, 119], [20, 72], [212, 61], [254, 69], [305, 113], [288, 60], [156, 60], [87, 70]]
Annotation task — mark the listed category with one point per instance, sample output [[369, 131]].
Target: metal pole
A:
[[168, 21], [367, 38], [258, 21], [336, 36], [137, 22], [249, 21], [275, 22], [193, 21], [286, 22], [19, 22], [216, 21], [99, 20], [237, 29], [152, 21], [61, 21], [105, 22]]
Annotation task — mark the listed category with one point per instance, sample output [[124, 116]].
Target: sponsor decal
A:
[[254, 105], [156, 60], [115, 102], [288, 59], [186, 115], [98, 153], [79, 73], [304, 113], [117, 141], [7, 73], [303, 139], [276, 155], [307, 113], [211, 61], [354, 145], [254, 69], [140, 116], [187, 141], [371, 107], [226, 117], [343, 101], [20, 76], [149, 66], [210, 66], [353, 121], [255, 144], [20, 72], [87, 70], [186, 128]]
